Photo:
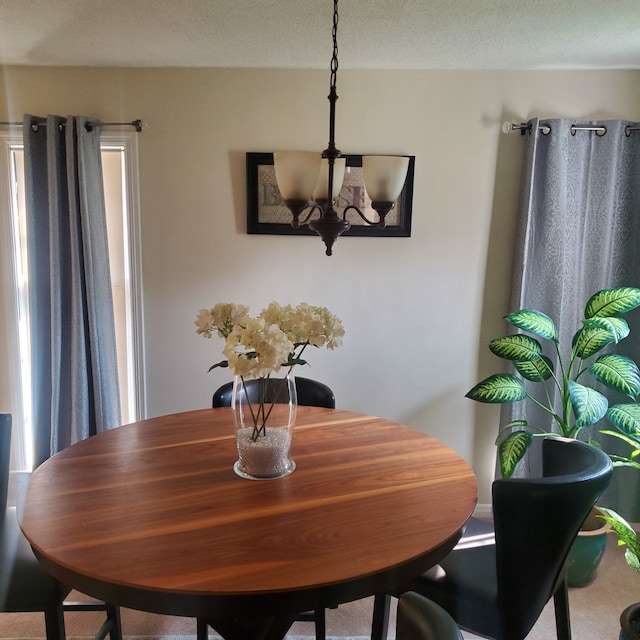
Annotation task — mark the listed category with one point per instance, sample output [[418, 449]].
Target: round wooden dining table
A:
[[151, 516]]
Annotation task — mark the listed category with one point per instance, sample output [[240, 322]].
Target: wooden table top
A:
[[152, 516]]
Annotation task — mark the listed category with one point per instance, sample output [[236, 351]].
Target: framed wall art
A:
[[267, 213]]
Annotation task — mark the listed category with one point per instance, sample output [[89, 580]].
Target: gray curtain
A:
[[74, 368], [579, 232]]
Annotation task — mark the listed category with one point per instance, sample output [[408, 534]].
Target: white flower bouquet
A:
[[255, 347]]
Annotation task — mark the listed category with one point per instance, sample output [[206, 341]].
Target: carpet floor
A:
[[349, 621], [595, 613]]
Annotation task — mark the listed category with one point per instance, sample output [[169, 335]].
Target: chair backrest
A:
[[311, 393], [536, 521], [421, 619], [5, 457]]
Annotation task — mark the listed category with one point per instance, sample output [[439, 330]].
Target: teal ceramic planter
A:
[[587, 551]]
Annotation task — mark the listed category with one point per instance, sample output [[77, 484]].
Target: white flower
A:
[[255, 347], [221, 318], [317, 326], [204, 322]]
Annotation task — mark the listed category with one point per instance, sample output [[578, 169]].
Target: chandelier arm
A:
[[357, 210], [304, 220], [382, 209]]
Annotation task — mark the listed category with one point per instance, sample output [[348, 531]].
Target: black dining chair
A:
[[501, 574], [24, 585], [310, 393], [421, 619]]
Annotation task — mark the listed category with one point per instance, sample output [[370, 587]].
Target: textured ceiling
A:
[[402, 34]]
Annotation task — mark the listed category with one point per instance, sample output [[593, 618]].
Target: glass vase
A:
[[264, 412]]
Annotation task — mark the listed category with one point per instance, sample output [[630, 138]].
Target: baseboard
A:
[[483, 511]]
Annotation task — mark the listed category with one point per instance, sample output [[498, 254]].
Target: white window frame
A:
[[128, 142], [12, 312]]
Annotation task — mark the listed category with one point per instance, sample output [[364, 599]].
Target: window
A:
[[119, 160]]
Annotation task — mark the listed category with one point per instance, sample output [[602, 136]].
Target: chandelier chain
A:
[[334, 58]]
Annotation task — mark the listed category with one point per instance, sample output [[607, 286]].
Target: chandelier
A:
[[309, 180]]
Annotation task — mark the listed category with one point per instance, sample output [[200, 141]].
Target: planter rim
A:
[[595, 532], [604, 527]]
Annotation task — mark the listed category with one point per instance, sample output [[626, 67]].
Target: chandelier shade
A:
[[384, 176], [322, 186], [296, 173]]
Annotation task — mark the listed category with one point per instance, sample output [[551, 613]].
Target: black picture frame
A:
[[267, 213]]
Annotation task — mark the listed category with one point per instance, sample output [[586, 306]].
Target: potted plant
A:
[[572, 406], [630, 617], [579, 406]]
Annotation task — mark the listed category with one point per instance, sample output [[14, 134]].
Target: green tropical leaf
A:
[[535, 370], [626, 418], [592, 338], [511, 450], [617, 372], [534, 322], [626, 536], [619, 461], [498, 388], [632, 560], [516, 347], [617, 327], [633, 441], [612, 302], [589, 405], [508, 427]]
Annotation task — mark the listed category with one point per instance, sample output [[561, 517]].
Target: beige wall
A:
[[418, 311]]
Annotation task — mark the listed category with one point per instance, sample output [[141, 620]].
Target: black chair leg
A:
[[113, 616], [561, 608], [380, 622], [202, 630], [112, 626], [54, 623], [320, 624]]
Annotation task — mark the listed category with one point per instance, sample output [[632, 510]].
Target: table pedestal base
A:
[[269, 628]]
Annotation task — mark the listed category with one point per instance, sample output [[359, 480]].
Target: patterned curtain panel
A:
[[74, 368], [579, 232]]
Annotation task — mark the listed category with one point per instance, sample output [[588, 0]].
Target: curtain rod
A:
[[545, 129], [137, 124]]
